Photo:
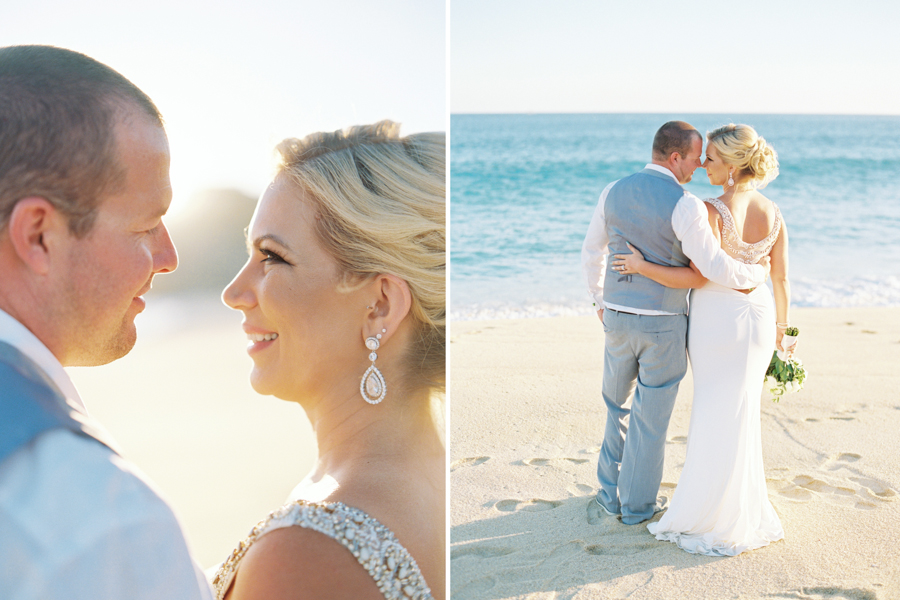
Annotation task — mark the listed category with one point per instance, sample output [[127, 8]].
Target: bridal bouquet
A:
[[785, 374]]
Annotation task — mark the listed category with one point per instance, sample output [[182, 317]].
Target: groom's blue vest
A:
[[639, 210], [31, 404]]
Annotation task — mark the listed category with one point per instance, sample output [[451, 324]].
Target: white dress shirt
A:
[[77, 521], [690, 222]]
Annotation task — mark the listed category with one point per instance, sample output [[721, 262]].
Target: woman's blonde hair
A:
[[742, 147], [381, 204]]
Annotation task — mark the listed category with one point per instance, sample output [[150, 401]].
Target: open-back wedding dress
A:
[[721, 505]]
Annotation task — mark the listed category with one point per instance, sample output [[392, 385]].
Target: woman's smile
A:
[[259, 340]]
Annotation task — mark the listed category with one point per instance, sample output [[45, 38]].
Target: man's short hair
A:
[[58, 112], [674, 136]]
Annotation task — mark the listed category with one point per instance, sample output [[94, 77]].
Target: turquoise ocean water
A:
[[524, 188]]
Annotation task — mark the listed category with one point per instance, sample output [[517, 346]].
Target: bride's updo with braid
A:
[[740, 146], [380, 201]]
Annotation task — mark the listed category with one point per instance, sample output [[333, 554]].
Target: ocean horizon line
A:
[[652, 113]]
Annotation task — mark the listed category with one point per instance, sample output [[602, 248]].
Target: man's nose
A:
[[165, 259]]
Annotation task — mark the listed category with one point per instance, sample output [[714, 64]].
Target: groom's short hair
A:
[[58, 111], [674, 136]]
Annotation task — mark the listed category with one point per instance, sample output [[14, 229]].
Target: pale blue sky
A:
[[233, 78], [768, 56]]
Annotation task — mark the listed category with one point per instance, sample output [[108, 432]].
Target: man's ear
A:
[[389, 306], [34, 226]]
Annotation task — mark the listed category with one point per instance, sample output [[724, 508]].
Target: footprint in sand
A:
[[621, 549], [678, 439], [579, 489], [545, 462], [836, 485], [596, 449], [533, 505], [878, 489], [828, 593], [480, 551], [469, 462], [846, 414], [839, 461], [472, 588]]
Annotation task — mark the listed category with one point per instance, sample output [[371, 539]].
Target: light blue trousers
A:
[[645, 355]]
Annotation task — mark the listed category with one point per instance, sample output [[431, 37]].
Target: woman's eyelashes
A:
[[271, 256]]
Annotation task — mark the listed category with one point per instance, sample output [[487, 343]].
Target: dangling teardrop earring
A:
[[730, 180], [372, 386]]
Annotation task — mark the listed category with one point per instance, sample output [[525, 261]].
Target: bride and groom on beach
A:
[[650, 241]]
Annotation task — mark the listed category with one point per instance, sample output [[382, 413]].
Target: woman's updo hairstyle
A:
[[380, 201], [742, 147]]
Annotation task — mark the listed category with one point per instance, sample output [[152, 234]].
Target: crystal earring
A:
[[730, 180], [372, 386]]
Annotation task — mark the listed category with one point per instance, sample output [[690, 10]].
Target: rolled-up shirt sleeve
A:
[[691, 225], [594, 251]]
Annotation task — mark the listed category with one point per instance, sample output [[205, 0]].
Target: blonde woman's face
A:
[[305, 334], [716, 170]]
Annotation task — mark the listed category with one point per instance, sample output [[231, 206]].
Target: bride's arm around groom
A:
[[690, 225]]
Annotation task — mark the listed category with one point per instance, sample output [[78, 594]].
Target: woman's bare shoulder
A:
[[762, 207], [763, 202]]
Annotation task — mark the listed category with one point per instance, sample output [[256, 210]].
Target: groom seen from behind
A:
[[645, 323], [84, 183]]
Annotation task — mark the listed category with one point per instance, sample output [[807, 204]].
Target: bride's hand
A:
[[628, 264], [779, 336]]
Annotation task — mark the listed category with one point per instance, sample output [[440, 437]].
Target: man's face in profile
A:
[[112, 266], [690, 162]]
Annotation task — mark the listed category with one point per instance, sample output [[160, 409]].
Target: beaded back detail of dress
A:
[[375, 547], [738, 248]]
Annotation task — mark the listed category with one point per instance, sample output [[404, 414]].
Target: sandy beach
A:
[[181, 407], [526, 422]]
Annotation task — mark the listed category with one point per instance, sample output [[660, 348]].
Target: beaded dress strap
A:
[[737, 247], [375, 547]]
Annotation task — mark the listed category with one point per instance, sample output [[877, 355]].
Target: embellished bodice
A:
[[372, 544], [737, 247]]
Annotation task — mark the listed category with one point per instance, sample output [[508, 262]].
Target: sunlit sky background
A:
[[705, 56], [234, 77]]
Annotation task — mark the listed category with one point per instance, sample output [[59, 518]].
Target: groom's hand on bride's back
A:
[[600, 314]]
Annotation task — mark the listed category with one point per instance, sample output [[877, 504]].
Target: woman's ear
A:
[[33, 225], [388, 307]]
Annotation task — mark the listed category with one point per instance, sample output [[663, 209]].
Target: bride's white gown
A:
[[721, 505]]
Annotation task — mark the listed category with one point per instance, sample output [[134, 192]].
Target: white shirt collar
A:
[[660, 169], [17, 335]]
